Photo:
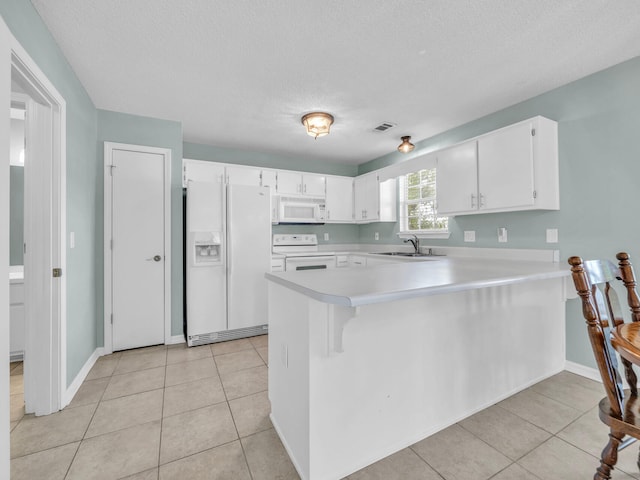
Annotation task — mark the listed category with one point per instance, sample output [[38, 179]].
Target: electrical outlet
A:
[[326, 237], [376, 236], [552, 235], [502, 235], [469, 235]]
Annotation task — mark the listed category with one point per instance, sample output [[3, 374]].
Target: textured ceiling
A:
[[241, 73]]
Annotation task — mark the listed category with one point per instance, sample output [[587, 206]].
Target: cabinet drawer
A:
[[342, 261], [277, 264]]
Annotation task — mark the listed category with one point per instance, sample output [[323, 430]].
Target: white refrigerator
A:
[[228, 251]]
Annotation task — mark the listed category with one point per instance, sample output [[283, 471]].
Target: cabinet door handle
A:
[[305, 188], [482, 202], [473, 201]]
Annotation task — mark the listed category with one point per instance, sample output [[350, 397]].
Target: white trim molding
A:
[[81, 376], [587, 372], [45, 236]]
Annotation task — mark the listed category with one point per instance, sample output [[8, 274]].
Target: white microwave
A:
[[301, 209]]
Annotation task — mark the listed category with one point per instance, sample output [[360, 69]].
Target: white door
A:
[[138, 248]]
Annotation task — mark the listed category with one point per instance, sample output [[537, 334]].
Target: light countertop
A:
[[398, 281]]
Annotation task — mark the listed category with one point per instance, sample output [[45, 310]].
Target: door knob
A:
[[156, 258]]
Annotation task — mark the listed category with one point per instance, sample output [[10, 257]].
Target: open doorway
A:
[[43, 237], [16, 258]]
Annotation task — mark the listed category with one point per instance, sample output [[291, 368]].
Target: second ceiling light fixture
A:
[[406, 146]]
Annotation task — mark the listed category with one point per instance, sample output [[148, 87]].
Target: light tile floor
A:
[[166, 413]]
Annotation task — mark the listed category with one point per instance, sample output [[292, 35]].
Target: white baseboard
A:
[[82, 374], [174, 340], [588, 372]]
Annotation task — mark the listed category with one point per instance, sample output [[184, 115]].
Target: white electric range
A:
[[301, 252]]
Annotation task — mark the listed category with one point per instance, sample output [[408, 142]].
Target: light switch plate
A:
[[502, 235], [376, 236], [552, 235], [326, 237], [469, 235]]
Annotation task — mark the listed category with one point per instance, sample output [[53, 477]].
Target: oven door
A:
[[318, 262]]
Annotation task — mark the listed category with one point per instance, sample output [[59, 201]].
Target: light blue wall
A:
[[598, 120], [136, 130], [210, 153], [16, 215], [84, 268]]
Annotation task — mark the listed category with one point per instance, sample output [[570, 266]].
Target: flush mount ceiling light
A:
[[317, 123], [406, 146]]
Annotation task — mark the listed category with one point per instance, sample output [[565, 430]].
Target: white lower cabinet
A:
[[357, 260], [277, 264], [342, 261]]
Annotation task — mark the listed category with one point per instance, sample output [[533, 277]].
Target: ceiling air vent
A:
[[383, 127]]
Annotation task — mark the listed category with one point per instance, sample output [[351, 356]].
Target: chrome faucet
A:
[[415, 241]]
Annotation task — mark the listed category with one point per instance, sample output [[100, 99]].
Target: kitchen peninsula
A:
[[366, 361]]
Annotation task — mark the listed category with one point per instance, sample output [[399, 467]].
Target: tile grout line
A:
[[410, 447], [164, 391], [89, 423]]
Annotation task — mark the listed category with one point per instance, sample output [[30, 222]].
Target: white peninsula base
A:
[[351, 385]]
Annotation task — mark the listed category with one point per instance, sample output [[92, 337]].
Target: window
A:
[[418, 204]]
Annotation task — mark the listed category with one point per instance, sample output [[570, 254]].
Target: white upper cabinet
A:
[[513, 168], [339, 204], [297, 183], [201, 171], [374, 201], [457, 179], [366, 198], [241, 175], [255, 176], [388, 200], [269, 178], [505, 169]]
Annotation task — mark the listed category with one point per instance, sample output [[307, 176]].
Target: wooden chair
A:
[[608, 333]]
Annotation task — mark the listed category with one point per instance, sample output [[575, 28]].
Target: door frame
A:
[[109, 147], [46, 365]]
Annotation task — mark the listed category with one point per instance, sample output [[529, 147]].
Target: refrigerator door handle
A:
[[229, 215]]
